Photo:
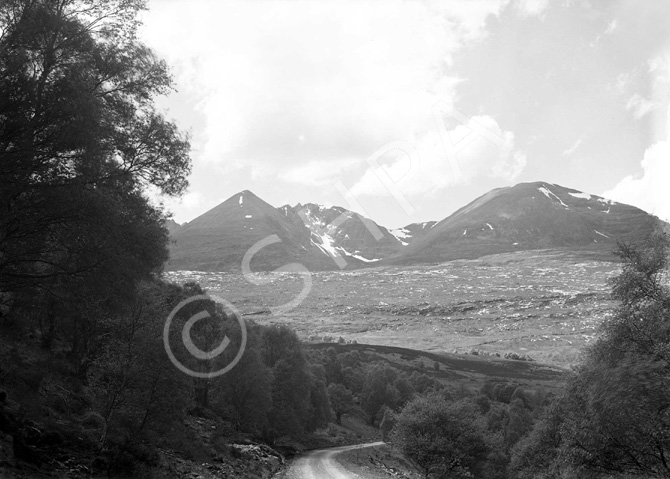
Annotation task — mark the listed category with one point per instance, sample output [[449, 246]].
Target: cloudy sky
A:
[[405, 111]]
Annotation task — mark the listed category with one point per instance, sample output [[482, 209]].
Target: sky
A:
[[405, 111]]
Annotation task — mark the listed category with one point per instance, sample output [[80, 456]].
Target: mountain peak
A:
[[527, 216]]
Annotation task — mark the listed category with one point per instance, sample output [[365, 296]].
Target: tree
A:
[[244, 393], [319, 408], [617, 409], [133, 385], [354, 379], [421, 382], [341, 400], [535, 455], [81, 145], [280, 342], [405, 389], [333, 366], [387, 424], [618, 418], [379, 390], [290, 400], [444, 438], [519, 424], [282, 352], [206, 334]]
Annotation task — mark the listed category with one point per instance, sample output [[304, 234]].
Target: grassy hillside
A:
[[457, 370]]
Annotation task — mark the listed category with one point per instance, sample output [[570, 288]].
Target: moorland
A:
[[544, 304]]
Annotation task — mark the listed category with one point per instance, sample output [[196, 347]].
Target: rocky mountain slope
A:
[[528, 216], [349, 234]]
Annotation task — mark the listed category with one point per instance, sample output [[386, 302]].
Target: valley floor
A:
[[543, 304]]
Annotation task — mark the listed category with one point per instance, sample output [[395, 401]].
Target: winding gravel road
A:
[[321, 464]]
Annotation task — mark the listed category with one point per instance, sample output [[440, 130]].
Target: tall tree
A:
[[244, 393], [617, 409], [379, 390], [81, 145], [341, 400], [445, 439]]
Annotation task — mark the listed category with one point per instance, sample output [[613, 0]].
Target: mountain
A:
[[318, 237], [412, 232], [218, 239], [349, 234], [529, 216]]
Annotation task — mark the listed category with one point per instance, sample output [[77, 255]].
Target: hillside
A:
[[530, 216]]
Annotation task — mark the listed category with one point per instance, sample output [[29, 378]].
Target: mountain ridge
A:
[[526, 216], [530, 216]]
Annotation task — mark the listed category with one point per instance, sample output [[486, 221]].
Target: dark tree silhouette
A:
[[80, 145]]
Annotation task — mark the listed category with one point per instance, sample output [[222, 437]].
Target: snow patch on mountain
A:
[[550, 194], [327, 245], [365, 259], [324, 234], [585, 196], [401, 234]]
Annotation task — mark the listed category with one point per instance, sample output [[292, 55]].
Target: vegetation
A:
[[82, 243], [444, 438], [611, 419]]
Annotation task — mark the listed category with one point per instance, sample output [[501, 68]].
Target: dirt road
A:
[[321, 464]]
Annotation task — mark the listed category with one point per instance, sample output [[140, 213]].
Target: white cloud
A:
[[640, 106], [660, 66], [190, 205], [317, 173], [650, 191], [573, 148], [492, 157], [611, 26], [532, 7], [296, 81]]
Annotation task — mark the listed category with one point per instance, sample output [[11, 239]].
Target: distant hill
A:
[[529, 216]]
